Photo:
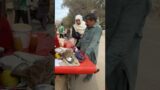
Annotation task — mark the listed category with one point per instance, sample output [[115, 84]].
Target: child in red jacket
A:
[[6, 37], [56, 41]]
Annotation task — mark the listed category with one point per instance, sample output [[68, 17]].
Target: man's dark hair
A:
[[90, 16]]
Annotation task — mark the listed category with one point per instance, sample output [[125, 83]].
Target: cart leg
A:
[[60, 82], [68, 82]]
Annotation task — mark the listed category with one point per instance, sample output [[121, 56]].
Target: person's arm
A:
[[95, 40]]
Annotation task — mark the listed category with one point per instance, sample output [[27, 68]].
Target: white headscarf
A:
[[80, 28]]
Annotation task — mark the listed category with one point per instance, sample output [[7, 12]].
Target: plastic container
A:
[[33, 43], [23, 31], [18, 43]]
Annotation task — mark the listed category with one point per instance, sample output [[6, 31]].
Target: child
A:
[[56, 41], [61, 30]]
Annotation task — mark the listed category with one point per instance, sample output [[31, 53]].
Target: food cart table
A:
[[86, 67]]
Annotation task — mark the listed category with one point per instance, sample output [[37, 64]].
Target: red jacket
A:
[[6, 38], [56, 41]]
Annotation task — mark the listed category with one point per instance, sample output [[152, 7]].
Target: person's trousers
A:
[[21, 14], [61, 35], [122, 72], [124, 34]]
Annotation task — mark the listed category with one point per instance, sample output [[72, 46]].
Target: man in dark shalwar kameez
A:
[[125, 19]]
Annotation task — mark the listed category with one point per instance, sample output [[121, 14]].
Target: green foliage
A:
[[83, 7]]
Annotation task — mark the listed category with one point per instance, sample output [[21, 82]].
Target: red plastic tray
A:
[[86, 67]]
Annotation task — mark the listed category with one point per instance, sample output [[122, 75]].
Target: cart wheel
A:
[[97, 70]]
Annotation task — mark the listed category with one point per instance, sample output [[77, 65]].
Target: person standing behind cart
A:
[[61, 30], [33, 8], [78, 28], [21, 11], [42, 12], [89, 43]]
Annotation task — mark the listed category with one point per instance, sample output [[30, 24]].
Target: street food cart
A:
[[85, 67]]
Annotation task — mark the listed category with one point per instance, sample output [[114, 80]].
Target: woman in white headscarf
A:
[[78, 28]]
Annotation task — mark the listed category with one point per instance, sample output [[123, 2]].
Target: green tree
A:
[[84, 7]]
